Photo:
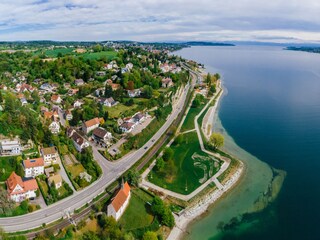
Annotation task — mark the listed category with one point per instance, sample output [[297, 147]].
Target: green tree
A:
[[168, 154], [147, 91], [150, 236], [133, 178], [108, 91], [6, 204], [216, 140], [160, 164]]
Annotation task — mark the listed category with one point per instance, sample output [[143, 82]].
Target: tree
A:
[[108, 91], [130, 85], [160, 164], [150, 236], [168, 154], [216, 140], [217, 76], [133, 178], [147, 91], [6, 204], [208, 79]]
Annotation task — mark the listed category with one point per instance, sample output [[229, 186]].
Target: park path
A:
[[226, 162]]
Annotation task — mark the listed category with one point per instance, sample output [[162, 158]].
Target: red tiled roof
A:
[[121, 197], [14, 180], [36, 162], [92, 122]]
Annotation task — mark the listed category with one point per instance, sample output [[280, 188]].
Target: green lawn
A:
[[138, 213], [98, 55], [6, 167], [54, 53], [75, 169], [119, 110], [44, 187], [192, 167], [188, 123]]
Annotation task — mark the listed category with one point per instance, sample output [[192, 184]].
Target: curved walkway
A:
[[214, 178]]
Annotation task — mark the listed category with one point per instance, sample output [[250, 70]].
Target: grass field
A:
[[188, 123], [119, 110], [98, 55], [192, 167], [54, 53], [5, 168], [137, 214]]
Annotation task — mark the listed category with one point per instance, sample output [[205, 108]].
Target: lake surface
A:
[[272, 111]]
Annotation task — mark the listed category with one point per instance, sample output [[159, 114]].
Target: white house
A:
[[134, 93], [23, 101], [167, 82], [102, 137], [54, 127], [19, 190], [119, 203], [108, 102], [79, 82], [50, 155], [78, 141], [127, 127], [56, 180], [90, 125], [77, 103], [33, 167], [8, 147], [56, 99]]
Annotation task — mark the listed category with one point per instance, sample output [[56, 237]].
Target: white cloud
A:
[[154, 20]]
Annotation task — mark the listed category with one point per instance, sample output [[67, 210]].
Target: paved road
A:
[[111, 171]]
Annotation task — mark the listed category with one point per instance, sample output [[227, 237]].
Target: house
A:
[[50, 155], [23, 101], [108, 102], [3, 87], [139, 117], [119, 203], [55, 180], [115, 86], [101, 137], [77, 103], [124, 70], [26, 87], [67, 85], [33, 167], [88, 126], [49, 171], [167, 82], [78, 141], [56, 99], [127, 127], [54, 127], [129, 66], [19, 190], [43, 109], [73, 91], [79, 82], [134, 93], [46, 87], [68, 115], [8, 147], [48, 115], [100, 92]]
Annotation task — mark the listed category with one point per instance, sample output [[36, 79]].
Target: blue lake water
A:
[[272, 111]]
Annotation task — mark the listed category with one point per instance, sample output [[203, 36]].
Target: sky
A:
[[161, 20]]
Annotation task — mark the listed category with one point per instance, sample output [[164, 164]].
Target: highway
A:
[[111, 171]]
